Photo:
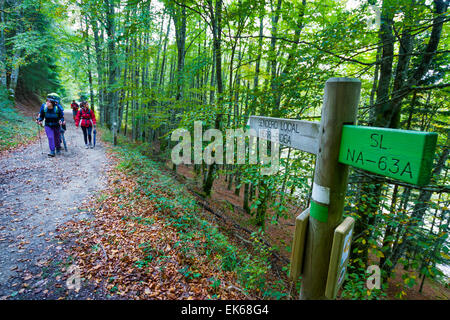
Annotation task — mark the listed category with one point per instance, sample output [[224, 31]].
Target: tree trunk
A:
[[163, 63], [179, 19], [246, 198], [15, 65], [217, 33], [100, 70], [3, 76], [113, 66], [88, 53]]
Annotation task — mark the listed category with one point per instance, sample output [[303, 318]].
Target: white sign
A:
[[298, 134]]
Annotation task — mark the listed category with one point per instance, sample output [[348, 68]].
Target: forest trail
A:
[[37, 194]]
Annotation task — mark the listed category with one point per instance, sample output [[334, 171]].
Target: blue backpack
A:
[[57, 111]]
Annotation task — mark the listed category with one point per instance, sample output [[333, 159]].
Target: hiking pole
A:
[[39, 134], [63, 138], [95, 135], [64, 141]]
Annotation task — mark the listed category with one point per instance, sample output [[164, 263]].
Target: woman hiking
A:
[[53, 114], [87, 118]]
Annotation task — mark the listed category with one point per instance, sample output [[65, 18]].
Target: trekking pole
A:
[[39, 134], [63, 138]]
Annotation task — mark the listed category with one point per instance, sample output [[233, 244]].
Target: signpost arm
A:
[[340, 105]]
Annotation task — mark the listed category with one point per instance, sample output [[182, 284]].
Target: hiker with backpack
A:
[[75, 108], [53, 114], [86, 119]]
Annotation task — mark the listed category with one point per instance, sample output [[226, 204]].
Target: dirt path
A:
[[38, 193]]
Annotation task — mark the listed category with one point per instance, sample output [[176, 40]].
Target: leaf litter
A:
[[131, 250]]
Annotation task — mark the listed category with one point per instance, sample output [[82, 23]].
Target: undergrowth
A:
[[179, 208]]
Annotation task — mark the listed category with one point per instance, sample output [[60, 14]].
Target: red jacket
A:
[[87, 117]]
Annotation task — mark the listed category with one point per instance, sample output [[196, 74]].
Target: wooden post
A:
[[340, 106]]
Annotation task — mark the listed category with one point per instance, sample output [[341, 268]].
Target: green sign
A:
[[399, 154]]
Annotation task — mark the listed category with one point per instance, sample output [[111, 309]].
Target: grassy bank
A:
[[15, 128]]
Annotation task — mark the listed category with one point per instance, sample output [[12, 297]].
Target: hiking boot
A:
[[58, 152], [87, 146], [51, 154], [91, 146]]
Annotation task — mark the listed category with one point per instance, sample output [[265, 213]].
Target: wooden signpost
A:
[[319, 245]]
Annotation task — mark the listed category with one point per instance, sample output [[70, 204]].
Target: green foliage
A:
[[355, 288], [31, 45], [149, 254], [189, 274], [254, 270], [215, 284], [14, 127]]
